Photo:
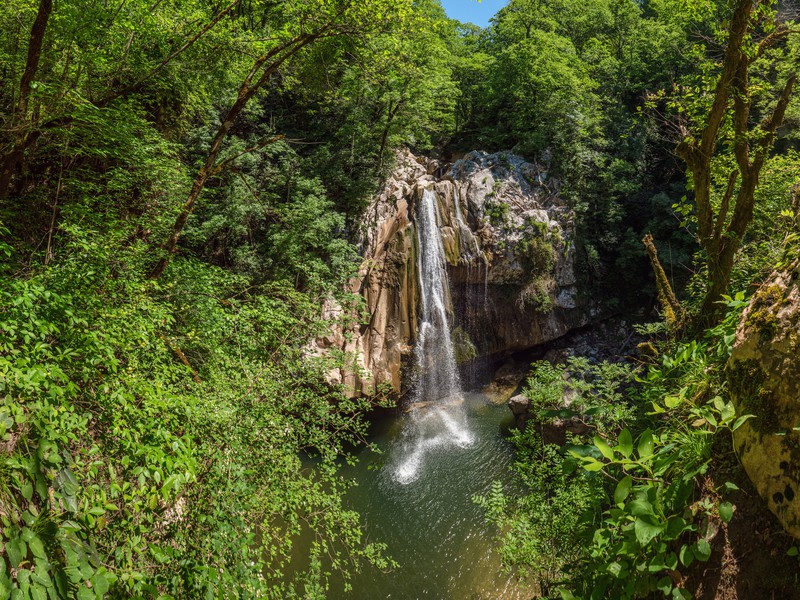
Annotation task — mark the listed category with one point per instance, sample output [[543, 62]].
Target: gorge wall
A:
[[508, 240]]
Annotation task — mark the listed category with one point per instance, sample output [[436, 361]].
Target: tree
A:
[[723, 214], [90, 55], [290, 27]]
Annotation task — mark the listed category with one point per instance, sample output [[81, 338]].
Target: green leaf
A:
[[85, 593], [664, 585], [672, 561], [702, 550], [740, 421], [26, 488], [646, 530], [675, 527], [100, 583], [623, 489], [640, 508], [686, 555], [646, 444], [726, 511], [614, 568], [16, 551], [793, 551], [604, 448], [593, 465], [681, 594], [727, 412], [38, 592], [625, 445], [37, 547]]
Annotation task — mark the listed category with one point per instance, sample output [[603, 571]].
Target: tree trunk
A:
[[14, 156], [385, 135], [247, 90], [673, 311], [720, 239]]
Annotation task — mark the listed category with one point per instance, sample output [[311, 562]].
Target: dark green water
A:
[[417, 497]]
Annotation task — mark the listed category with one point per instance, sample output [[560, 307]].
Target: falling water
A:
[[434, 350], [438, 420]]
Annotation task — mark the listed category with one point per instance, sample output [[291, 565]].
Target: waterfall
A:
[[438, 419], [436, 359]]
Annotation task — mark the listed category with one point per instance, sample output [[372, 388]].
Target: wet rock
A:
[[505, 381]]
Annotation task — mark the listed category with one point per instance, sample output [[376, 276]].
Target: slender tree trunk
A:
[[385, 135], [14, 156], [247, 90], [673, 311]]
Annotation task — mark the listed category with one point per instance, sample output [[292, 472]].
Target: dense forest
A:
[[181, 187]]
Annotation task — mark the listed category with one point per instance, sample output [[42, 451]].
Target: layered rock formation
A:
[[509, 243], [764, 376]]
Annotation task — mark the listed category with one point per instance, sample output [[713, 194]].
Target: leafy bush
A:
[[621, 504], [151, 433]]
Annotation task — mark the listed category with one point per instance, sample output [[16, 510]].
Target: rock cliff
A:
[[764, 376], [508, 239]]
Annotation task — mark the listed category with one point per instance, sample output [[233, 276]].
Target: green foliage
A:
[[122, 474], [581, 389], [497, 212], [542, 528], [622, 501]]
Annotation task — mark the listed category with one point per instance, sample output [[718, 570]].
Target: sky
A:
[[472, 11]]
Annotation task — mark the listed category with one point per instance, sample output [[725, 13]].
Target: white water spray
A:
[[439, 422]]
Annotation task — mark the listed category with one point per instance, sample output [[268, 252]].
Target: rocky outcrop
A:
[[764, 378], [508, 239]]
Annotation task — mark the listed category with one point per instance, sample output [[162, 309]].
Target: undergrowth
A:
[[620, 509], [151, 433]]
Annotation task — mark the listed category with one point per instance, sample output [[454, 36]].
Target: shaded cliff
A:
[[508, 239]]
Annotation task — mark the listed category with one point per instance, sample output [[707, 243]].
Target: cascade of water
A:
[[442, 422], [463, 229], [434, 351]]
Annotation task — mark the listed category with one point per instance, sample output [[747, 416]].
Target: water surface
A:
[[433, 528]]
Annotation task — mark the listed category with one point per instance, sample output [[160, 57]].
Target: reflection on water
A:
[[417, 497]]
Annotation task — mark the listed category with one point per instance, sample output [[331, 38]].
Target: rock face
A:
[[764, 377], [508, 239]]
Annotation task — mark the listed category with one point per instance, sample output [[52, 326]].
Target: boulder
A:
[[505, 381], [764, 379], [520, 408]]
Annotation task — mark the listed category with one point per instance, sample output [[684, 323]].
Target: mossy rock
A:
[[464, 347], [764, 379]]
